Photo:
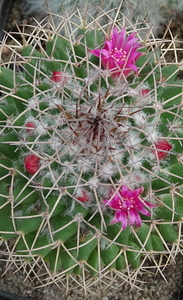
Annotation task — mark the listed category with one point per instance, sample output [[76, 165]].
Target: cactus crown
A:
[[91, 150]]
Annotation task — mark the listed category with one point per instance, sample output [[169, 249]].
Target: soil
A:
[[154, 288]]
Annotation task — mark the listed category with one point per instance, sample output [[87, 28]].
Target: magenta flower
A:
[[119, 54], [127, 205]]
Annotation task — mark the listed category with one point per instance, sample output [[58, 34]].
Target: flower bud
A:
[[162, 145], [30, 126], [83, 198], [32, 163], [58, 77]]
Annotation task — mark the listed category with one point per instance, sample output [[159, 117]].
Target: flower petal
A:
[[138, 220], [144, 211], [132, 217]]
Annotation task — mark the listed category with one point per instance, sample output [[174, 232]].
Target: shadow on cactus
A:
[[91, 152]]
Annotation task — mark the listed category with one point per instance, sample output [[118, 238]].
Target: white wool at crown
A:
[[155, 12]]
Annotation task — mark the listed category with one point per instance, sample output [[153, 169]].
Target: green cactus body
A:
[[71, 135]]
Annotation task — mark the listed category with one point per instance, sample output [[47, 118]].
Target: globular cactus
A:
[[90, 152]]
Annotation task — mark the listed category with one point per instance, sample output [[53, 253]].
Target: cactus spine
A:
[[72, 138]]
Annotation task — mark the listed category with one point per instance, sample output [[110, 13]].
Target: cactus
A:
[[90, 152]]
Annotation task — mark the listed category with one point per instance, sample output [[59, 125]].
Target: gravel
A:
[[151, 287]]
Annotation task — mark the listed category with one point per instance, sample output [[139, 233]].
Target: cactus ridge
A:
[[70, 136]]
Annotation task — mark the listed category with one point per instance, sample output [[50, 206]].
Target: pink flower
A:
[[162, 145], [32, 163], [127, 205], [58, 77], [119, 54]]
